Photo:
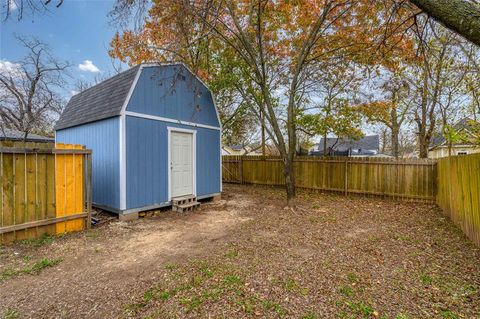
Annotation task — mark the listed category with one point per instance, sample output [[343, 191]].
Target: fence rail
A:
[[43, 190], [459, 192], [409, 179]]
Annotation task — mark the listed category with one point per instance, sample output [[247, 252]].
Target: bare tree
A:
[[426, 82], [124, 10], [472, 79], [81, 84], [441, 82], [21, 8], [393, 111], [407, 144], [29, 100]]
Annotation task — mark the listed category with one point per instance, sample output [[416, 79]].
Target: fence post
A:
[[368, 176], [346, 176], [241, 169], [89, 189]]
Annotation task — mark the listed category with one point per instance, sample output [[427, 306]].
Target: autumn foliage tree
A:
[[268, 51], [334, 111], [393, 106]]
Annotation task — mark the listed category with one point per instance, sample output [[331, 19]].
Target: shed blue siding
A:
[[147, 161], [208, 162], [173, 92], [102, 137]]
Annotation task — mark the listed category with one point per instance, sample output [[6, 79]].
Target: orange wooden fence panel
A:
[[69, 188], [43, 190]]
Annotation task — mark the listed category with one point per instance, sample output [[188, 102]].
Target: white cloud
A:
[[88, 66], [73, 92], [7, 67], [13, 5]]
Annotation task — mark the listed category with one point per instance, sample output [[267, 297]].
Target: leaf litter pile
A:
[[247, 256], [332, 257]]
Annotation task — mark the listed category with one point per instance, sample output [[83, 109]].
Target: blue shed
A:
[[155, 134]]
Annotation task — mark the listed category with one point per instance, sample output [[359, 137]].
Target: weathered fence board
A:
[[459, 192], [410, 179], [41, 185]]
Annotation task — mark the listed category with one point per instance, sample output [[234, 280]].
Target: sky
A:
[[78, 32]]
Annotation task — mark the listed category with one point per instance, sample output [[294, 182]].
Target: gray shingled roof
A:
[[464, 124], [101, 101], [371, 142], [13, 135], [236, 147]]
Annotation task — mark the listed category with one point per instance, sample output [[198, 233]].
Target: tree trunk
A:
[[422, 118], [289, 174], [460, 16], [262, 123], [395, 125], [325, 145], [423, 145], [289, 180], [287, 153], [383, 138], [25, 135], [395, 134]]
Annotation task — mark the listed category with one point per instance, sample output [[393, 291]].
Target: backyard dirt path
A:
[[102, 268], [249, 256]]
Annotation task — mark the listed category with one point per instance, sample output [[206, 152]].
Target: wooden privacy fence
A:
[[410, 179], [459, 192], [44, 190]]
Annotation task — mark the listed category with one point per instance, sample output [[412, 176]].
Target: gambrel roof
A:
[[108, 98], [98, 102]]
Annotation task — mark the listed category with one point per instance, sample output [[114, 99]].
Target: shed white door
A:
[[181, 157]]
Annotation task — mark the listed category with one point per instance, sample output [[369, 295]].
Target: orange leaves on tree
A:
[[365, 31], [377, 111]]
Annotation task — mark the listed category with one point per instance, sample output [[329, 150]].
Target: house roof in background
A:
[[98, 102], [235, 147], [13, 135], [371, 142], [464, 124]]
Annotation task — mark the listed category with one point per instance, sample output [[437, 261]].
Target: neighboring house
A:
[[439, 145], [383, 155], [239, 150], [314, 149], [414, 154], [8, 135], [155, 134], [233, 150], [363, 147]]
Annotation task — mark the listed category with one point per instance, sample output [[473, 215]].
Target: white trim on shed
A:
[[123, 143]]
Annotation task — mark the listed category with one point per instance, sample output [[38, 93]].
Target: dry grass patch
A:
[[333, 257], [248, 256]]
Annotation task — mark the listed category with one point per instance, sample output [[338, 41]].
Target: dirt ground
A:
[[249, 256]]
